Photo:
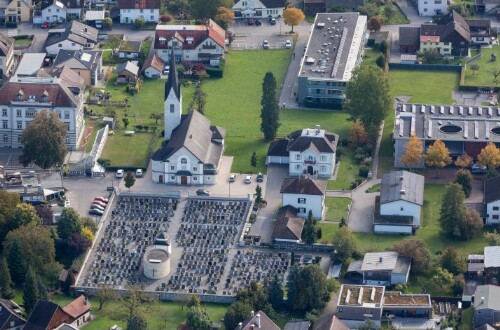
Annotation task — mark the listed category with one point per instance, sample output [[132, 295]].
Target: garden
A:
[[482, 72]]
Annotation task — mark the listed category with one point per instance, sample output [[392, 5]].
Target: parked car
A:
[[232, 178], [265, 44], [138, 173], [103, 205], [202, 192], [478, 169], [288, 44], [250, 21], [96, 212], [67, 203], [119, 174], [45, 25], [272, 21], [97, 207], [101, 199], [248, 179], [260, 177], [166, 70], [258, 22]]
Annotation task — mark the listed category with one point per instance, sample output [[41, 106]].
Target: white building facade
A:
[[305, 195], [258, 8], [55, 13], [129, 15], [492, 200], [432, 7]]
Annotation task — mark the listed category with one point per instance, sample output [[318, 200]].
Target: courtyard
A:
[[483, 76]]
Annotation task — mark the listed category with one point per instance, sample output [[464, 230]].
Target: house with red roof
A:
[[130, 10], [79, 309], [192, 43]]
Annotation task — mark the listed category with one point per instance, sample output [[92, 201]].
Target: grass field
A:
[[397, 18], [22, 42], [337, 208], [483, 76]]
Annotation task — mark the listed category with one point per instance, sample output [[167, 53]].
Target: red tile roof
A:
[[155, 62], [77, 307], [54, 93], [139, 4], [198, 33]]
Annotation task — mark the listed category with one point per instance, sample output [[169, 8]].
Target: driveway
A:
[[362, 208]]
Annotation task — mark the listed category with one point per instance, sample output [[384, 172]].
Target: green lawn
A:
[[135, 154], [337, 208], [483, 76], [22, 42], [348, 171], [370, 57], [467, 318], [397, 18], [374, 188]]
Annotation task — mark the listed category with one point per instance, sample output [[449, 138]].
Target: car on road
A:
[[248, 179], [101, 199], [138, 173], [258, 22], [119, 174], [288, 44], [260, 177], [232, 178], [96, 212], [202, 192], [265, 44], [45, 25], [103, 205], [250, 21], [478, 169], [272, 21]]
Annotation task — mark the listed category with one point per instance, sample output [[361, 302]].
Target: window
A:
[[152, 18], [495, 208], [437, 2], [5, 124], [172, 168], [322, 169], [172, 108], [49, 10], [19, 113], [141, 11], [495, 217], [57, 10], [4, 112], [184, 160], [59, 45], [297, 157], [73, 44], [425, 9], [19, 125], [5, 138], [172, 177], [30, 113], [402, 208], [66, 114], [301, 210], [340, 309], [19, 138], [19, 3], [195, 169], [297, 167], [323, 158], [152, 11], [301, 200]]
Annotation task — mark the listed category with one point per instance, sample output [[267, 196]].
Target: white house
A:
[[53, 11], [258, 8], [193, 43], [71, 36], [307, 151], [193, 148], [432, 7], [305, 195], [492, 200], [153, 67], [401, 200], [382, 268], [130, 10]]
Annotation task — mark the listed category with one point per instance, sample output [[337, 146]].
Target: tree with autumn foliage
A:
[[413, 152], [489, 157], [437, 156], [293, 16], [225, 17], [357, 135], [375, 23], [464, 161]]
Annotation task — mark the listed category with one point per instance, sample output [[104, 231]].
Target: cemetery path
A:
[[175, 224]]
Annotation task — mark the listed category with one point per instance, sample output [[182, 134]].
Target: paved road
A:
[[362, 208]]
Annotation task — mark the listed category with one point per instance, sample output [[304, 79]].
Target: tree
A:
[[78, 244], [270, 112], [442, 277], [23, 215], [199, 98], [6, 288], [129, 180], [464, 179], [474, 67], [413, 152], [156, 116], [345, 244], [258, 195], [293, 16], [69, 223], [369, 9], [125, 122], [368, 325], [203, 9], [194, 301], [368, 98], [108, 23], [88, 234], [389, 10], [136, 302], [225, 17], [139, 23], [309, 232], [383, 46], [197, 318], [30, 290], [464, 161], [437, 156], [489, 156], [137, 322], [253, 159], [114, 41], [380, 61], [104, 294], [417, 251], [375, 23], [45, 213], [307, 288], [237, 312], [452, 211], [460, 7], [43, 141], [90, 224], [493, 238], [276, 293], [472, 225], [357, 135], [17, 263], [452, 261], [495, 73]]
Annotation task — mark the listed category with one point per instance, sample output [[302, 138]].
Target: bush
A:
[[165, 18], [340, 153], [354, 184], [363, 171], [383, 46], [344, 142], [380, 61]]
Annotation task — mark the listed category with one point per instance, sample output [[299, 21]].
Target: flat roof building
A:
[[334, 49]]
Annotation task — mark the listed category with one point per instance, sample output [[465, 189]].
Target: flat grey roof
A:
[[30, 63], [333, 46], [374, 261], [448, 122]]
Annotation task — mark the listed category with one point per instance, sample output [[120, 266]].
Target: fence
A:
[[431, 67], [474, 58], [303, 247]]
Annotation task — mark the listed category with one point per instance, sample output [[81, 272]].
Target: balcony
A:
[[310, 162]]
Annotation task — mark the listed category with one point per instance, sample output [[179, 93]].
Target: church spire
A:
[[173, 81]]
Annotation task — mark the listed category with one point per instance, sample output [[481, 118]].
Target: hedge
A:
[[216, 72]]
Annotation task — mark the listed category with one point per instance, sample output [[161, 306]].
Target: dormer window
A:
[[45, 95], [162, 40], [20, 95], [189, 40]]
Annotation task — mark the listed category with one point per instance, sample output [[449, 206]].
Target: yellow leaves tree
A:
[[357, 134], [437, 156], [293, 16], [489, 156], [87, 233], [413, 152], [225, 17], [464, 161]]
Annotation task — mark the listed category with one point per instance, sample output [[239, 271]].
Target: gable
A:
[[182, 152]]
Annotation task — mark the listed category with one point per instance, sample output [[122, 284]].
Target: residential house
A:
[[193, 148], [408, 306], [71, 36], [475, 265], [312, 7], [192, 43], [297, 325], [487, 6], [54, 11], [130, 49], [307, 152], [15, 10], [330, 322], [492, 200], [486, 302], [130, 10], [481, 32], [358, 303], [382, 268], [492, 259], [11, 317], [95, 18], [7, 60], [58, 90], [258, 8], [449, 36], [87, 64], [432, 7], [288, 225], [153, 67], [399, 207], [409, 39], [257, 320], [462, 128], [47, 316], [74, 9], [305, 194], [29, 64], [127, 72], [79, 310]]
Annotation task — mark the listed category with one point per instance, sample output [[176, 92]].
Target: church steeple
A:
[[172, 105], [172, 81]]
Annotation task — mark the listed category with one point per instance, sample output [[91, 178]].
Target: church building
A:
[[192, 149]]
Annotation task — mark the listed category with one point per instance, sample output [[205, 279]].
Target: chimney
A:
[[257, 320], [401, 177], [252, 313], [240, 326], [317, 129], [25, 189], [85, 29], [86, 301], [380, 259], [402, 191], [482, 300]]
